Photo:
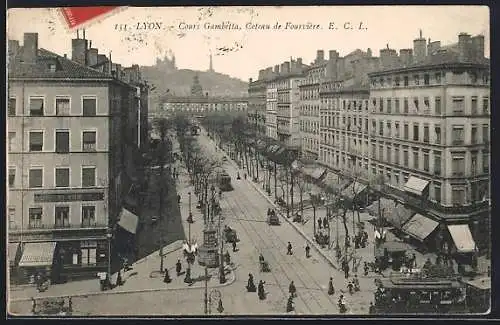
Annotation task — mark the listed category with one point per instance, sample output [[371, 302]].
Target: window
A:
[[12, 218], [12, 106], [415, 132], [486, 134], [381, 128], [405, 105], [89, 106], [36, 106], [458, 105], [374, 149], [473, 106], [12, 176], [473, 134], [381, 152], [486, 162], [405, 158], [416, 162], [437, 192], [12, 137], [88, 216], [426, 104], [389, 105], [486, 105], [35, 218], [426, 79], [62, 177], [438, 77], [458, 135], [437, 130], [437, 105], [405, 80], [36, 178], [89, 252], [473, 163], [89, 141], [426, 133], [36, 141], [381, 102], [397, 81], [458, 195], [458, 165], [389, 155], [415, 103], [396, 126], [426, 162], [406, 131], [396, 155], [396, 105], [88, 176], [62, 217], [416, 79], [62, 106], [437, 164], [62, 141]]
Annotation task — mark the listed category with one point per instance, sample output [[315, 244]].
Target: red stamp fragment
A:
[[76, 16]]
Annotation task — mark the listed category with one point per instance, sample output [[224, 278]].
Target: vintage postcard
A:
[[231, 161]]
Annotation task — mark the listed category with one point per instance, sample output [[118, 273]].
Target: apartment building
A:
[[257, 92], [72, 135], [430, 133], [272, 102]]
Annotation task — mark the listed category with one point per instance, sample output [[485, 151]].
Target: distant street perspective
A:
[[356, 184]]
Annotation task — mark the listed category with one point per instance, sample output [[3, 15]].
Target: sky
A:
[[243, 52]]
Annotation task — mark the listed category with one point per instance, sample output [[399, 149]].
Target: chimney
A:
[[406, 56], [30, 47], [277, 69], [464, 46], [369, 52], [320, 56], [79, 49], [478, 47], [299, 62], [287, 67], [419, 48], [333, 55], [433, 46], [92, 57], [13, 47], [250, 80]]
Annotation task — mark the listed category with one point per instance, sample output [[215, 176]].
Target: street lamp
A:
[[109, 236]]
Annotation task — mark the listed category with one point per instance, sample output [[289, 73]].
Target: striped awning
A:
[[38, 254], [128, 221], [420, 227], [462, 237]]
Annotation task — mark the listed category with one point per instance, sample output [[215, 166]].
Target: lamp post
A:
[[109, 236], [190, 219]]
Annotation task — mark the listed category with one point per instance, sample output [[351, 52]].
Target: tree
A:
[[303, 186]]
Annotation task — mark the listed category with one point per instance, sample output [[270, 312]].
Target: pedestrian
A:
[[325, 223], [371, 309], [178, 199], [319, 223], [178, 267], [289, 249], [350, 287], [366, 268], [308, 249], [356, 283], [346, 270], [292, 290], [289, 304], [33, 305], [234, 245], [167, 278], [331, 289]]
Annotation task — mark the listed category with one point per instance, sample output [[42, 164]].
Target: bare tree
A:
[[303, 187]]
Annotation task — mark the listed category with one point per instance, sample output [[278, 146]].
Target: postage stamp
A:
[[210, 161]]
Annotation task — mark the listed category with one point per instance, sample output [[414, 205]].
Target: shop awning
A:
[[462, 237], [385, 205], [12, 252], [416, 185], [38, 254], [353, 190], [420, 227], [318, 173], [398, 215], [128, 221]]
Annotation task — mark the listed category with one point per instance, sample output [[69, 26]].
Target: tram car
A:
[[272, 218], [400, 294], [224, 181]]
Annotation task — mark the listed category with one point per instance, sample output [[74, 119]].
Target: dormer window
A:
[[52, 67]]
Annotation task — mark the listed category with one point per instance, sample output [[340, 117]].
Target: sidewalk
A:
[[145, 274]]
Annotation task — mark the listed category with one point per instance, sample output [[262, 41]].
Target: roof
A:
[[66, 69]]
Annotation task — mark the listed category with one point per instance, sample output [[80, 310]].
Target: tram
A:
[[401, 294], [224, 181]]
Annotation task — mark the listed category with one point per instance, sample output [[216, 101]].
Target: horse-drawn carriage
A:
[[272, 218], [230, 235]]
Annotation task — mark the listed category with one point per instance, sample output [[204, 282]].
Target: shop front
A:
[[37, 259], [80, 259], [462, 247]]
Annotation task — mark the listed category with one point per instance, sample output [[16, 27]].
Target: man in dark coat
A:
[[289, 249], [178, 267]]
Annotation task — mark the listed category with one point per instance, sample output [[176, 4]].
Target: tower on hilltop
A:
[[211, 67]]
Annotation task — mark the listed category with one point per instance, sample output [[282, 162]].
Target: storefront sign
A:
[[69, 197]]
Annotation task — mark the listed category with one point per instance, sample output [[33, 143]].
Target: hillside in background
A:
[[178, 82]]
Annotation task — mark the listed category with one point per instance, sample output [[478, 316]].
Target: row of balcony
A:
[[57, 226]]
